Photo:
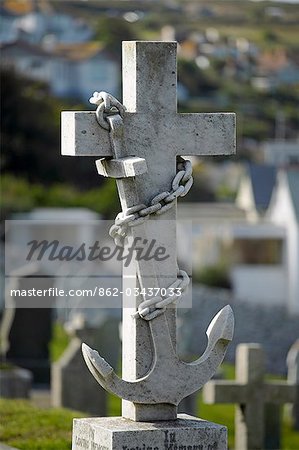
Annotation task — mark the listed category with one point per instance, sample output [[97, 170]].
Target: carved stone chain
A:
[[161, 203], [136, 215]]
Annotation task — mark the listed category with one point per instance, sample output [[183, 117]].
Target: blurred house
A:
[[277, 67], [8, 32], [71, 70], [281, 153], [38, 22], [56, 48], [284, 211], [257, 238], [256, 189]]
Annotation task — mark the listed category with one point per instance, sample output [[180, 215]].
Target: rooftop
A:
[[263, 178]]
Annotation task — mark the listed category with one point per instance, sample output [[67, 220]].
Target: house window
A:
[[36, 64], [257, 251], [293, 159]]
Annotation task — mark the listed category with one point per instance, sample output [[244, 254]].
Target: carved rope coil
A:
[[136, 215]]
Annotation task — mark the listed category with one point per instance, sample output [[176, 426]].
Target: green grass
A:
[[27, 427], [59, 342]]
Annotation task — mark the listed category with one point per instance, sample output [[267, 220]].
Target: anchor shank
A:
[[143, 274]]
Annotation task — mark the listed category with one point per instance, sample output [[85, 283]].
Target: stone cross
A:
[[251, 394], [293, 378], [155, 132]]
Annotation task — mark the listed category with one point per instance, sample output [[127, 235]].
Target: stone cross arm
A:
[[182, 134], [225, 391]]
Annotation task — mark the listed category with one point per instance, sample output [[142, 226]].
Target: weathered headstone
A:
[[15, 382], [293, 378], [31, 330], [67, 389], [251, 393], [145, 143], [25, 335]]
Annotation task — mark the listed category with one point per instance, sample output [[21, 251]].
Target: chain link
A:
[[161, 203], [155, 306], [107, 106], [136, 215]]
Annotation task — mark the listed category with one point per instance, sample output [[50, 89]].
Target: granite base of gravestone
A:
[[15, 382], [67, 388], [114, 433], [31, 330]]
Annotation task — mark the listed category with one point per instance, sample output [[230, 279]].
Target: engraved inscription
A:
[[170, 446], [142, 447], [95, 446], [82, 442], [170, 443], [86, 444]]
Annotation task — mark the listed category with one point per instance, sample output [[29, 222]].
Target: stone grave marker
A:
[[15, 382], [253, 397], [26, 332], [140, 144], [293, 378], [31, 330], [67, 389]]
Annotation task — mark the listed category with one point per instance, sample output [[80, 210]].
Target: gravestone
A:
[[140, 144], [252, 394], [67, 389], [26, 332], [15, 382], [293, 378]]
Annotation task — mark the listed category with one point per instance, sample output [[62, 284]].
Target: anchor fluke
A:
[[221, 326], [95, 362]]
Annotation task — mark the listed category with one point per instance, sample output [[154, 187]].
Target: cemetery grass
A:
[[59, 342], [30, 428], [27, 427]]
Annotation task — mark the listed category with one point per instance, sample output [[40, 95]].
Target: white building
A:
[[261, 256], [284, 211], [281, 153]]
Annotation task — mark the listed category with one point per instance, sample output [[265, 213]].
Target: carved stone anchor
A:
[[181, 379]]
